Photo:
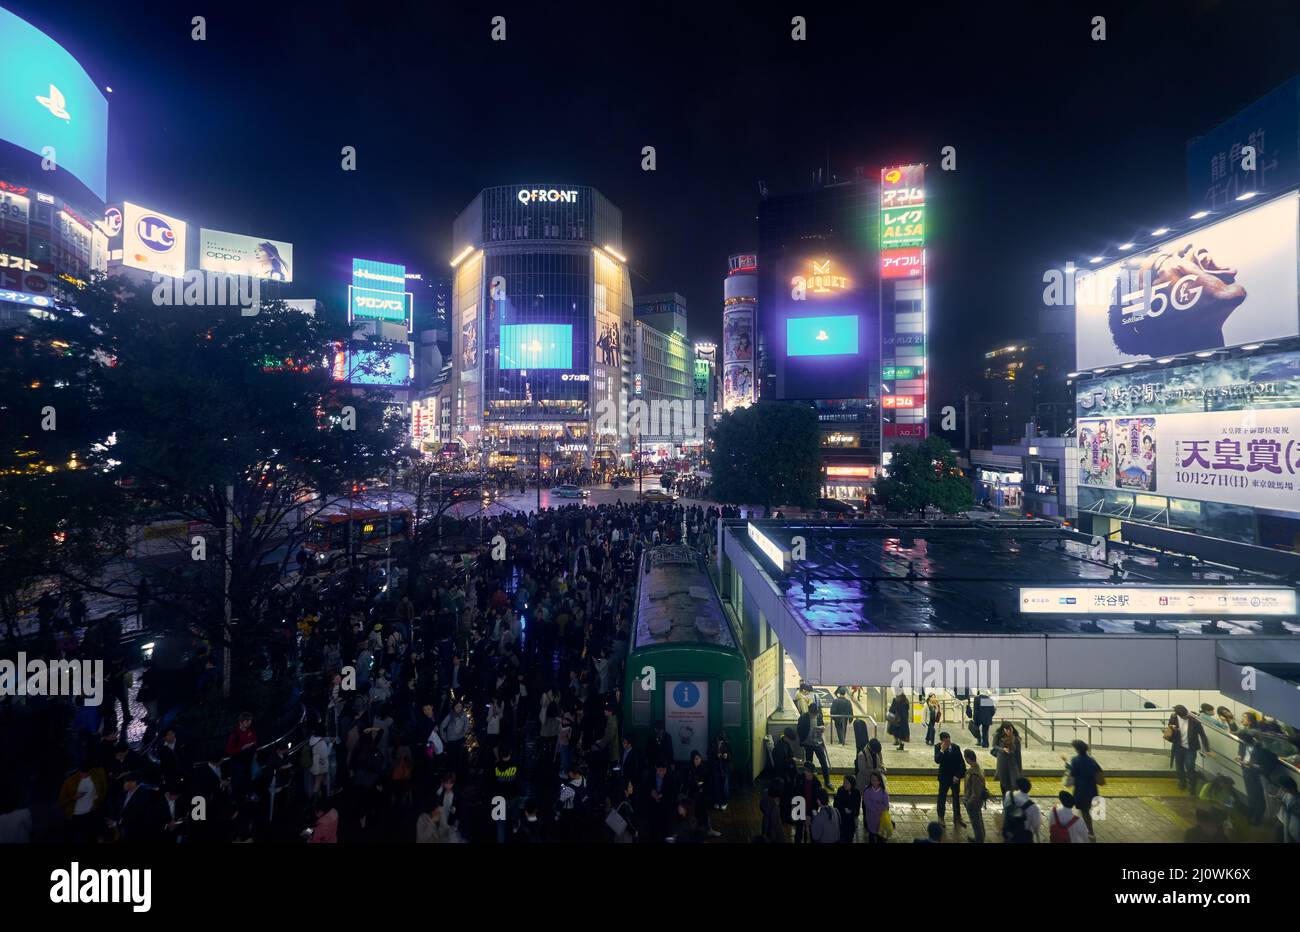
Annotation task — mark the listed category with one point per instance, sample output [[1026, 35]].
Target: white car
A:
[[569, 491]]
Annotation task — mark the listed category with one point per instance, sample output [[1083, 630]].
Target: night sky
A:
[[1064, 145]]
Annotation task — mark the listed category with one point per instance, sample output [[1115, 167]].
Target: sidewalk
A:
[[1036, 759]]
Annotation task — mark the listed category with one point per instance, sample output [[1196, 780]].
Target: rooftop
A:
[[963, 576], [676, 601]]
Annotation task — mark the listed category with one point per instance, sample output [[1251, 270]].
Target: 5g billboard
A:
[[1226, 284]]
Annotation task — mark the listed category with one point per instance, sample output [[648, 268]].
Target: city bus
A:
[[685, 665], [366, 523]]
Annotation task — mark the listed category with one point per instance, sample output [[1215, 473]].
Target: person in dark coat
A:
[[661, 746], [952, 768], [848, 800], [900, 715], [771, 806], [1187, 737], [861, 735], [134, 819], [841, 713]]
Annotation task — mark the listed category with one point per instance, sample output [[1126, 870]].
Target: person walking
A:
[[976, 793], [870, 760], [933, 716], [1064, 825], [875, 809], [952, 768], [1006, 751], [848, 802], [899, 717], [841, 714], [1186, 736], [1021, 817], [1084, 778]]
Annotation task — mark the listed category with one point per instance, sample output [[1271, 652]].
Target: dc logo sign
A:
[[112, 221], [686, 695], [156, 233]]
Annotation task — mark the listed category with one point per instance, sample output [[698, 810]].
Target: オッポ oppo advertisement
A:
[[1227, 284]]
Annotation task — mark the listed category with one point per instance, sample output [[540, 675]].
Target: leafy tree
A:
[[768, 454], [228, 422], [925, 475], [58, 508]]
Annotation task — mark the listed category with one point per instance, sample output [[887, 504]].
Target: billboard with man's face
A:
[[1227, 284]]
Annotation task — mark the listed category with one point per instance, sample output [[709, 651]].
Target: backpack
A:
[[1015, 827], [1060, 834]]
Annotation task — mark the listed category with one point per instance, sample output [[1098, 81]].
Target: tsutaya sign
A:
[[529, 195], [1176, 601]]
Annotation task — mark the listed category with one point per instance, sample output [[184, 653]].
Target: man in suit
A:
[[985, 708], [630, 764], [169, 757], [133, 818], [1188, 737], [171, 815], [661, 793], [952, 768], [661, 746]]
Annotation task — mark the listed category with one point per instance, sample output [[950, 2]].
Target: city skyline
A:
[[721, 124]]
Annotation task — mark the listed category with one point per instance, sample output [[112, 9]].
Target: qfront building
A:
[[541, 324]]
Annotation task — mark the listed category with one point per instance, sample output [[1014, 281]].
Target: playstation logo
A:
[[55, 103]]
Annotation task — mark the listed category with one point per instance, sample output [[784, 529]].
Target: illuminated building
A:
[[817, 334], [739, 314], [541, 322], [50, 221]]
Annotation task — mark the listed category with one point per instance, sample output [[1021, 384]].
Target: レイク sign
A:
[[551, 195]]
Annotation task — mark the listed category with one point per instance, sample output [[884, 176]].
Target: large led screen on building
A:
[[373, 364], [826, 319], [378, 292], [48, 101], [821, 336], [1227, 284], [237, 254], [536, 346]]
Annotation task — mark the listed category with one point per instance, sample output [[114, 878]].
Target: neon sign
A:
[[821, 281], [551, 195]]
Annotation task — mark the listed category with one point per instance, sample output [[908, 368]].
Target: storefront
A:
[[849, 481], [998, 479]]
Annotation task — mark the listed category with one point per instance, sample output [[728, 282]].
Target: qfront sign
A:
[[1166, 601], [549, 195]]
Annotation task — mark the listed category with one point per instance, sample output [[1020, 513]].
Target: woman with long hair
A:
[[1006, 750], [875, 803]]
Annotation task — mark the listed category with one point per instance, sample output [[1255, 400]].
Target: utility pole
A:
[[966, 419], [230, 544], [388, 558]]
